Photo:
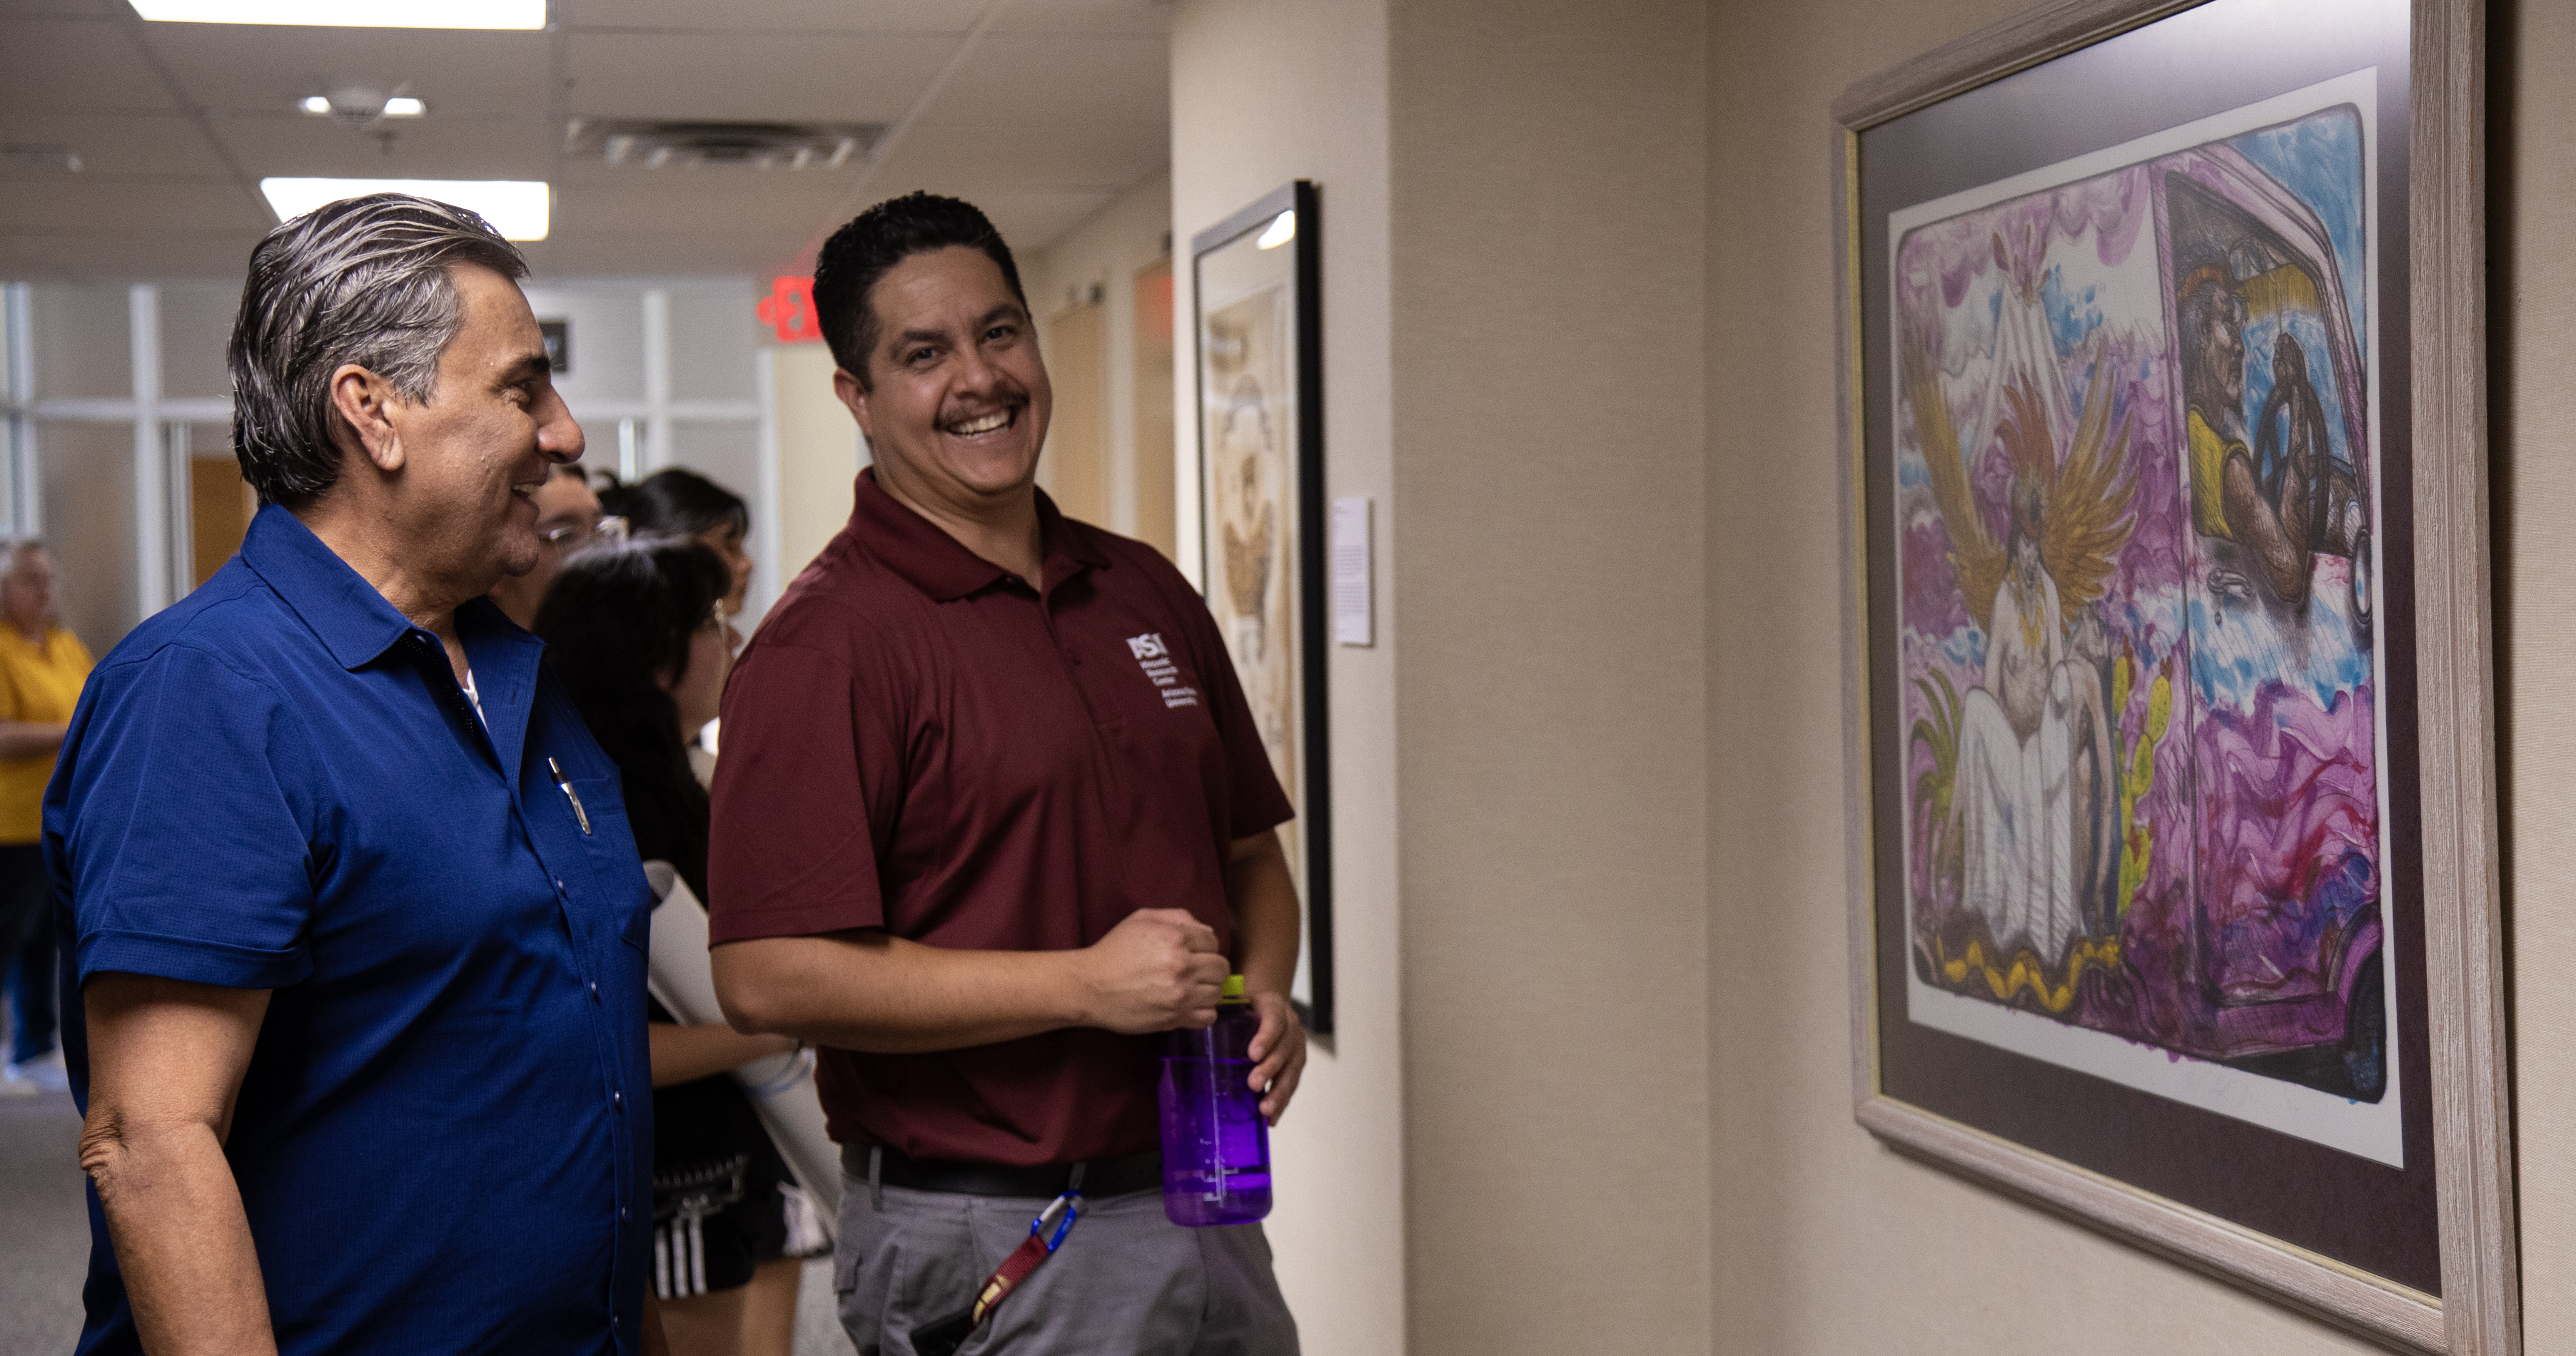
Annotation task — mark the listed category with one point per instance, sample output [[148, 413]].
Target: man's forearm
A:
[[182, 1242], [885, 995], [1266, 914], [1158, 969]]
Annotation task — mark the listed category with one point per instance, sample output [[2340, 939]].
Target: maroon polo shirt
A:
[[915, 740]]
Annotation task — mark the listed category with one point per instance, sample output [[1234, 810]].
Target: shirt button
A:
[[618, 1100], [594, 991], [559, 887]]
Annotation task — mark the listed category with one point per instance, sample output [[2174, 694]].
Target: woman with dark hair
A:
[[677, 503], [637, 632]]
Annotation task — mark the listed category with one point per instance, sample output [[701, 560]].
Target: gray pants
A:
[[1127, 1280]]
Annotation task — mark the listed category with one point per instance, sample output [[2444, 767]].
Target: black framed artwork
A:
[[1262, 510], [2173, 902]]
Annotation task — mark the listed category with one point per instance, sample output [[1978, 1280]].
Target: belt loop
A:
[[876, 1166]]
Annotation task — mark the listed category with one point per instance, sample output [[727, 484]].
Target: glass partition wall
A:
[[116, 423]]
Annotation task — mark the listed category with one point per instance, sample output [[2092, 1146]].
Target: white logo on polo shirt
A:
[[1156, 661]]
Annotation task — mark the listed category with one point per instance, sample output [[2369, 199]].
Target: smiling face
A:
[[956, 402], [476, 455]]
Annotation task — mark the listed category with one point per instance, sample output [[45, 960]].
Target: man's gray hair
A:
[[363, 282]]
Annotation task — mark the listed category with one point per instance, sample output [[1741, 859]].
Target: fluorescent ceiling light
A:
[[1283, 228], [518, 209], [315, 103], [343, 14], [404, 106]]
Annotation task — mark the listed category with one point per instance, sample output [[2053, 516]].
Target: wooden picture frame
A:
[[2031, 107], [1257, 289]]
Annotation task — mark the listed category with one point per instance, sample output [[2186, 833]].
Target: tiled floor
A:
[[44, 1225]]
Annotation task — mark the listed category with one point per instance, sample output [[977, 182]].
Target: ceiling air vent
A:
[[760, 145]]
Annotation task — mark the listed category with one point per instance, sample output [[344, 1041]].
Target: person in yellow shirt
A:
[[42, 666]]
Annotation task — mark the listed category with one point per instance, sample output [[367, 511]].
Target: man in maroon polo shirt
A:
[[992, 812]]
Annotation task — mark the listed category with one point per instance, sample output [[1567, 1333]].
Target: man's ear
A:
[[854, 393], [364, 401]]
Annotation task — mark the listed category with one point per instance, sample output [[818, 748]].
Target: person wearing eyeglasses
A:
[[567, 520]]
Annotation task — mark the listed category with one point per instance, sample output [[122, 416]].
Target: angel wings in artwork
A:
[[2032, 796]]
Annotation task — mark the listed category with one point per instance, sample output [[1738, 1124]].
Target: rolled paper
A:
[[781, 1087]]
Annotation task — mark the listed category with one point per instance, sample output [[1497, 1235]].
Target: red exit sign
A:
[[789, 310]]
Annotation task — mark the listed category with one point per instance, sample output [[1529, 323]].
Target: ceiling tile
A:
[[128, 208], [257, 68], [113, 144], [435, 147], [588, 256], [64, 9], [1045, 78], [1085, 16], [1065, 153], [66, 65], [1061, 105], [781, 77], [87, 256], [703, 207], [820, 16]]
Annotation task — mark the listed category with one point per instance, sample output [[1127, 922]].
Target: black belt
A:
[[960, 1177]]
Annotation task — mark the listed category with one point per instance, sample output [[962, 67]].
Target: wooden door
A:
[[1077, 447], [1155, 521]]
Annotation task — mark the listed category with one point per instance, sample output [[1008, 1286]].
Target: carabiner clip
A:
[[1070, 1205]]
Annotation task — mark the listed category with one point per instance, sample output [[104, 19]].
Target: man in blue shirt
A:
[[349, 901]]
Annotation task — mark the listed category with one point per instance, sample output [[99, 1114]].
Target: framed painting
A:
[[2170, 750], [1261, 501]]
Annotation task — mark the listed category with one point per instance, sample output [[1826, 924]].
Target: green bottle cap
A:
[[1233, 990]]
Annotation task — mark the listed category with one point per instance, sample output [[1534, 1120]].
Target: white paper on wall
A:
[[1353, 621]]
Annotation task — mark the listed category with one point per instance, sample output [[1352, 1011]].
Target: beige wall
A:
[[1506, 1147], [1550, 454], [819, 454], [2533, 295], [1106, 251], [1263, 93]]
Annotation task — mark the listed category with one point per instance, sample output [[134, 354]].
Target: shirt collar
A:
[[938, 564], [354, 622]]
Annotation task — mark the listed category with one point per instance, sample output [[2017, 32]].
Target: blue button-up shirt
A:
[[444, 1138]]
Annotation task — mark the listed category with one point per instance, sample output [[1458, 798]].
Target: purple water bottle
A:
[[1216, 1148]]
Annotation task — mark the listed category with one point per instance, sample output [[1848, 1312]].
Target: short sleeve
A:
[[1254, 800], [177, 823], [805, 793]]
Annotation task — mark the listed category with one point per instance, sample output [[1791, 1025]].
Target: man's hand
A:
[[1158, 970], [1278, 1053]]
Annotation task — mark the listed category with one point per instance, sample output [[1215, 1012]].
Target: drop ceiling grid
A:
[[1060, 107]]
